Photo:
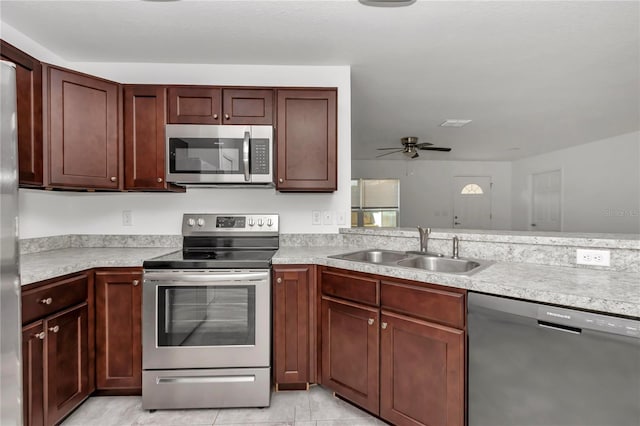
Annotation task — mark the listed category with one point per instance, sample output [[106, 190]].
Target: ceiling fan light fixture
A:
[[387, 3]]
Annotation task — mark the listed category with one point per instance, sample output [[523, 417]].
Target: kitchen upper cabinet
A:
[[33, 374], [56, 352], [306, 141], [144, 138], [83, 131], [215, 105], [294, 343], [118, 295], [194, 105], [350, 354], [29, 113], [421, 372]]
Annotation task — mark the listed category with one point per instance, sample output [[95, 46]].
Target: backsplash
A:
[[557, 249]]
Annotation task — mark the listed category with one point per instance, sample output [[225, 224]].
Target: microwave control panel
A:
[[260, 157]]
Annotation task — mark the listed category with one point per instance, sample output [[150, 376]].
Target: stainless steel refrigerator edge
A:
[[10, 331]]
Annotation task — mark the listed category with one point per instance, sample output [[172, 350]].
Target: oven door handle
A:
[[245, 155], [205, 277]]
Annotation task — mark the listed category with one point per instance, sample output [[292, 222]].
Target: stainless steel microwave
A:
[[217, 154]]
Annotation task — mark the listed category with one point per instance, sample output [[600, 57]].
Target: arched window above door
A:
[[472, 189]]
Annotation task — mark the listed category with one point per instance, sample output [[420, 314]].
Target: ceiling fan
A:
[[410, 147]]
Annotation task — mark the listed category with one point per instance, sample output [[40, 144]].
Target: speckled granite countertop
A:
[[604, 291], [43, 265]]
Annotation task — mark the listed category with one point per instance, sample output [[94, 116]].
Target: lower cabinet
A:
[[118, 296], [397, 350], [55, 349], [33, 374], [350, 357], [421, 372], [67, 355], [294, 337]]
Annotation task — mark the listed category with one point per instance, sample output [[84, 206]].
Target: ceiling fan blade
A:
[[435, 148], [387, 153], [382, 149], [422, 144]]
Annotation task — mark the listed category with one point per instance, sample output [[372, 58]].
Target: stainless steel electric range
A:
[[206, 315]]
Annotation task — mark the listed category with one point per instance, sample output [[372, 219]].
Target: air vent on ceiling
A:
[[455, 123]]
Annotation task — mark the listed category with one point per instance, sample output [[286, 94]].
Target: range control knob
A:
[[269, 222], [200, 222], [251, 222], [191, 222], [260, 222]]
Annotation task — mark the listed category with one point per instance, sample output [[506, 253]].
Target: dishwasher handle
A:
[[559, 327]]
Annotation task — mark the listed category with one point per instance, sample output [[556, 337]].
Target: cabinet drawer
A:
[[350, 287], [431, 304], [49, 298]]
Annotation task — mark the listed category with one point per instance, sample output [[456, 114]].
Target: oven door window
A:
[[206, 155], [206, 315]]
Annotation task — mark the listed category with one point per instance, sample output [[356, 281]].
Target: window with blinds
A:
[[375, 202]]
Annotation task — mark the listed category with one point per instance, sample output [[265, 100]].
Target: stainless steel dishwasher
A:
[[534, 364]]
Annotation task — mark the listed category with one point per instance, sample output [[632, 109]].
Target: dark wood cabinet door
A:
[[292, 326], [144, 137], [194, 105], [67, 383], [29, 113], [118, 331], [307, 148], [247, 106], [33, 374], [421, 372], [350, 352], [83, 131]]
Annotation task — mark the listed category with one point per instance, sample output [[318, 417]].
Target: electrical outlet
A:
[[341, 218], [127, 218], [316, 217], [327, 217], [592, 257]]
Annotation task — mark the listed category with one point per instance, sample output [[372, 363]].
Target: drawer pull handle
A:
[[55, 329], [370, 321], [39, 335], [278, 280], [384, 325], [136, 282], [46, 301]]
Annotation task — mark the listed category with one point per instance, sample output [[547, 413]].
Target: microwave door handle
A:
[[245, 155]]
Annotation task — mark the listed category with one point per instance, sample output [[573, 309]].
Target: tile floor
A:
[[317, 407]]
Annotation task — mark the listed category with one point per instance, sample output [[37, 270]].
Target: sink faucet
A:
[[455, 246], [424, 237]]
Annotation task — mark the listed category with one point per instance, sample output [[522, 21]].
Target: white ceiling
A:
[[533, 76]]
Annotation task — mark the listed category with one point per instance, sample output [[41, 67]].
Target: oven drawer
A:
[[213, 388]]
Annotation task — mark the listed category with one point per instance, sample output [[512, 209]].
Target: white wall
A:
[[426, 188], [54, 213], [600, 185]]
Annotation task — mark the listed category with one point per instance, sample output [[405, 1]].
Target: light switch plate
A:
[[327, 217], [341, 219]]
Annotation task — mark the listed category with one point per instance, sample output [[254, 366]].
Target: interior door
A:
[[546, 201], [472, 202]]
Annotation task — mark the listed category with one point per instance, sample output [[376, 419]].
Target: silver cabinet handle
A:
[[39, 335], [159, 180], [370, 321], [55, 329], [215, 116], [383, 325], [278, 280], [113, 178], [245, 155], [227, 116], [136, 282], [280, 180], [46, 301]]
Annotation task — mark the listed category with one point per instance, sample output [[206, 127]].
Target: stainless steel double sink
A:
[[426, 261]]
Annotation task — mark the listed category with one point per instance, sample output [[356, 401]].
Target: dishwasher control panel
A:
[[580, 320]]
